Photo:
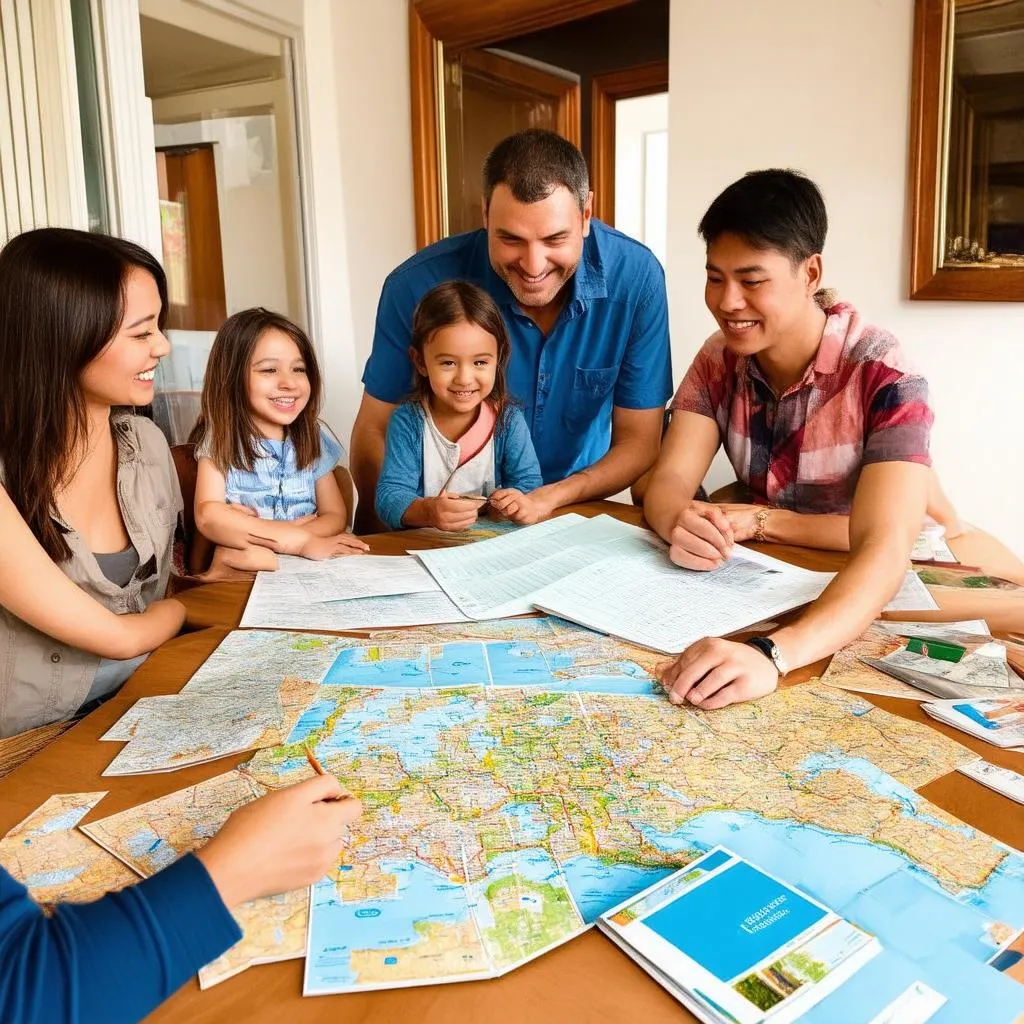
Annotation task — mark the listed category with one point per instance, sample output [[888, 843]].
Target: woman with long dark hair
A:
[[89, 499]]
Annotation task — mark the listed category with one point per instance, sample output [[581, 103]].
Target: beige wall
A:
[[820, 85], [823, 86]]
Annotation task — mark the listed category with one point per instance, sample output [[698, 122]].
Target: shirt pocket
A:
[[590, 390]]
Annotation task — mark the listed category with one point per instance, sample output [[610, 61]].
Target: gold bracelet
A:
[[761, 521]]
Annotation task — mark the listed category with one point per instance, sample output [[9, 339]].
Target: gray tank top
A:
[[111, 675]]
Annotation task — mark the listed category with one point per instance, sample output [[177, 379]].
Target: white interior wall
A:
[[641, 170], [823, 86]]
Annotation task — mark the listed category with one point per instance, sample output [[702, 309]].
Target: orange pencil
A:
[[319, 769]]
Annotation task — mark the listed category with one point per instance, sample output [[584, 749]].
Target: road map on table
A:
[[501, 821], [54, 861], [154, 834]]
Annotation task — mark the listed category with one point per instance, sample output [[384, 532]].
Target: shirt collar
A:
[[826, 359]]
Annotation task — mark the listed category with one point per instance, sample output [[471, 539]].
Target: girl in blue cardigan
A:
[[458, 442]]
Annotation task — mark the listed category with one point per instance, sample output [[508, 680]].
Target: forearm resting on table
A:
[[616, 470], [34, 588], [232, 528], [888, 507], [825, 532]]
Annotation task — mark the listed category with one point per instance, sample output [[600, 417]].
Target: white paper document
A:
[[278, 601], [346, 579], [499, 577], [1002, 780], [648, 600], [913, 596]]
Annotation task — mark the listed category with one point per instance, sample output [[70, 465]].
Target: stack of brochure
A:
[[734, 944], [999, 722]]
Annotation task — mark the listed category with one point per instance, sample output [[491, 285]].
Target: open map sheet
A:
[[154, 834], [646, 599], [501, 821], [248, 694], [500, 577], [54, 861], [984, 667], [519, 777]]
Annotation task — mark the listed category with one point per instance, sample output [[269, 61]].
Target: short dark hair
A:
[[456, 302], [533, 163], [773, 209], [62, 301]]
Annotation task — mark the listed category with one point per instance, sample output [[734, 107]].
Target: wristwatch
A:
[[770, 649]]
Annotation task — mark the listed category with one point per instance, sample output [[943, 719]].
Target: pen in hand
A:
[[315, 764]]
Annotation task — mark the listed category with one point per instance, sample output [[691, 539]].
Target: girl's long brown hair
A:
[[226, 419], [61, 303], [456, 302]]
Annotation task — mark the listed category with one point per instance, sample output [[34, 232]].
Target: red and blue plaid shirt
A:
[[857, 403]]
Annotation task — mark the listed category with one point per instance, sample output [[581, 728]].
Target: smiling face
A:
[[535, 247], [460, 361], [759, 298], [278, 385], [122, 374]]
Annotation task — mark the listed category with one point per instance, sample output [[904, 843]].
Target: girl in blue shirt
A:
[[265, 484], [458, 442]]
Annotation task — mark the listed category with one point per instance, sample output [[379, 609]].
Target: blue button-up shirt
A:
[[609, 347]]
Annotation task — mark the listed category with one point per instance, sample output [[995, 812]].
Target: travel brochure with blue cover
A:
[[735, 944]]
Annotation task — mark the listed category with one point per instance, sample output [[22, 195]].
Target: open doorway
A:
[[599, 80], [228, 180]]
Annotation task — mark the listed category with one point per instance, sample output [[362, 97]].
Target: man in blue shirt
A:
[[587, 315]]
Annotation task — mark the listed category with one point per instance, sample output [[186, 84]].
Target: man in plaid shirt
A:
[[822, 419]]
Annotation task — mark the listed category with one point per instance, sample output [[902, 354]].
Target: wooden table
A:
[[585, 980]]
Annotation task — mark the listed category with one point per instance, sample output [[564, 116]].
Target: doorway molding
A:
[[435, 25], [606, 90]]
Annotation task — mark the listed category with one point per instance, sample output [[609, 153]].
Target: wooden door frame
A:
[[606, 90], [458, 25]]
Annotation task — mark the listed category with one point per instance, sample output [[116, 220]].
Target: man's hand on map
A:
[[451, 512], [281, 842], [714, 673], [518, 507], [702, 537], [742, 519]]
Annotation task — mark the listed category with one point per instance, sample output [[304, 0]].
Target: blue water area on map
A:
[[335, 928], [150, 847], [361, 666], [597, 886], [518, 663], [528, 822], [59, 876], [459, 664], [418, 739], [926, 933], [62, 822]]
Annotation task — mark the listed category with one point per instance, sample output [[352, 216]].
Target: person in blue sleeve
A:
[[115, 960], [458, 440], [586, 312]]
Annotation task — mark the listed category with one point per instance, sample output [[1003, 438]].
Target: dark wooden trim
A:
[[927, 279], [545, 84], [606, 89], [426, 140], [465, 23], [459, 24]]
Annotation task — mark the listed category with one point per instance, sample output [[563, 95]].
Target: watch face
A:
[[780, 661]]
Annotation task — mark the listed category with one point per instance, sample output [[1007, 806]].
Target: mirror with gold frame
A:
[[967, 150]]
